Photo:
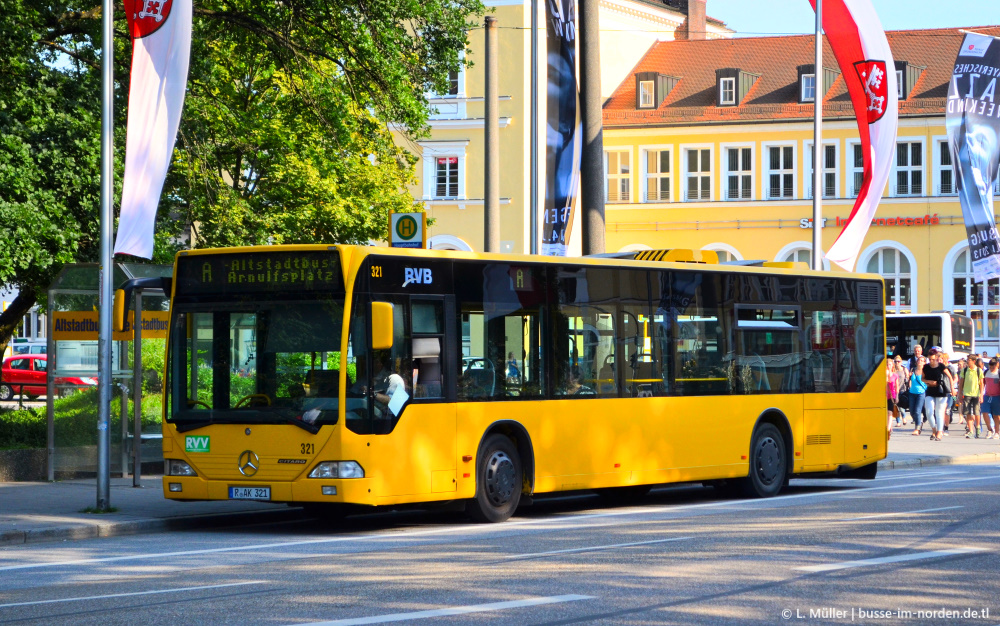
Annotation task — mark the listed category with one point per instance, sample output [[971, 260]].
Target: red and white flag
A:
[[161, 47], [853, 29]]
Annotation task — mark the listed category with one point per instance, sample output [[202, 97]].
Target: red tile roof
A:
[[775, 94]]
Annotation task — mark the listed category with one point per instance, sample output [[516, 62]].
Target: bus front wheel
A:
[[767, 463], [498, 481]]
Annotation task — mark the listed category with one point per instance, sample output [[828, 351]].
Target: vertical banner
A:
[[562, 135], [161, 47], [973, 122], [855, 34]]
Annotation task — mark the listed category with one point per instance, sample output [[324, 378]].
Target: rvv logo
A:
[[197, 444], [418, 275]]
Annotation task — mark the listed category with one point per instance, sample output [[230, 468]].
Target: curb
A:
[[939, 460], [86, 530]]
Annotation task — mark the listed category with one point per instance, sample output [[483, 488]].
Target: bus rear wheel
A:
[[768, 463], [498, 481]]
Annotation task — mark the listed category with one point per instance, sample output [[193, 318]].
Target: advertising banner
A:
[[562, 135], [973, 122]]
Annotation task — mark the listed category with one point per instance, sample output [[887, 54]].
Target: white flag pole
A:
[[106, 262]]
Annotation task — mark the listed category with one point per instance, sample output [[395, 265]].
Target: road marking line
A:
[[591, 549], [491, 528], [899, 558], [134, 593], [457, 610], [943, 508]]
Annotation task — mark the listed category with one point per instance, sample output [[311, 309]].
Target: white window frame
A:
[[899, 84], [765, 180], [939, 146], [804, 88], [797, 247], [852, 171], [608, 177], [646, 175], [685, 173], [450, 106], [807, 154], [719, 247], [722, 90], [890, 281], [724, 169], [432, 150], [948, 293], [922, 168], [647, 94]]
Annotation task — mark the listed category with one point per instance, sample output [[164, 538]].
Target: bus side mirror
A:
[[119, 311], [381, 325]]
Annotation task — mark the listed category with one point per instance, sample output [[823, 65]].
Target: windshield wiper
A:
[[189, 426], [306, 426]]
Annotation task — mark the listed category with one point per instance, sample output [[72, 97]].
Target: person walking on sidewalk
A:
[[938, 382], [991, 399], [918, 393], [891, 393], [952, 370], [970, 395]]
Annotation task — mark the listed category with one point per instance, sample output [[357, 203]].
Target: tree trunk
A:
[[12, 317]]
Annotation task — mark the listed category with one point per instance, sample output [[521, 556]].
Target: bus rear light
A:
[[173, 467], [176, 487], [337, 469]]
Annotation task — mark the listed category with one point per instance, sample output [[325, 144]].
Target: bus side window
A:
[[427, 318]]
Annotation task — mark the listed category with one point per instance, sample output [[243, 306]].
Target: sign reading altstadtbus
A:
[[408, 230]]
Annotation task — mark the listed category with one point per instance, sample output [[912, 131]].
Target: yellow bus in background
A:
[[380, 377]]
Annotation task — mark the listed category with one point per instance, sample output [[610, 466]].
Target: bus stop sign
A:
[[408, 230]]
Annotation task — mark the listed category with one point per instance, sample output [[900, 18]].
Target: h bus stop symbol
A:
[[407, 230]]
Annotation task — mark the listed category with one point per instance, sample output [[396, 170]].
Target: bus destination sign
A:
[[258, 272]]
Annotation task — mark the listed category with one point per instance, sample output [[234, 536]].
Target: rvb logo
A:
[[418, 275]]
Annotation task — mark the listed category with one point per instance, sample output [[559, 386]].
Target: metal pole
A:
[[137, 391], [533, 160], [50, 395], [817, 247], [592, 157], [106, 266], [491, 204], [123, 413]]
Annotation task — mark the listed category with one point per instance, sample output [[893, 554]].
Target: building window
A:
[[699, 174], [909, 168], [617, 175], [645, 93], [446, 177], [781, 172], [899, 84], [727, 91], [739, 173], [802, 255], [945, 172], [452, 83], [894, 268], [857, 169], [977, 300], [829, 171], [808, 87], [657, 176]]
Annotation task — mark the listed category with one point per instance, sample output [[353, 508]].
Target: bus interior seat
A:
[[480, 383], [427, 363], [322, 383]]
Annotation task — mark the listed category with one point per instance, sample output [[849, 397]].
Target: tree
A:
[[285, 136]]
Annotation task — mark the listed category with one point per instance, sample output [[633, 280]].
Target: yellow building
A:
[[450, 170], [708, 144]]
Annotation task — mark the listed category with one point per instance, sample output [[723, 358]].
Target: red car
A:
[[31, 371]]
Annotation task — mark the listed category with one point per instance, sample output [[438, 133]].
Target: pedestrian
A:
[[970, 395], [953, 376], [891, 394], [938, 382], [911, 364], [991, 399], [918, 393], [902, 385]]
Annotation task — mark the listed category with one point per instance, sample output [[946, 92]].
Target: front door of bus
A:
[[414, 440]]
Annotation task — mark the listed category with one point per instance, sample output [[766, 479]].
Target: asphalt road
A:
[[912, 540]]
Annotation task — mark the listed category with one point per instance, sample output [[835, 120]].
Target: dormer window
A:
[[808, 88], [899, 84], [727, 91], [646, 94]]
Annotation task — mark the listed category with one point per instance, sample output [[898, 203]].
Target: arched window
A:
[[798, 254], [725, 251], [977, 300], [894, 267]]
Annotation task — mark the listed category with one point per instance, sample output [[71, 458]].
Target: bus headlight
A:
[[173, 467], [337, 469]]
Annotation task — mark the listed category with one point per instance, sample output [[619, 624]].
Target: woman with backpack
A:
[[918, 394], [939, 386], [970, 395]]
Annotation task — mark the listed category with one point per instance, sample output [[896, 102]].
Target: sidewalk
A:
[[38, 512]]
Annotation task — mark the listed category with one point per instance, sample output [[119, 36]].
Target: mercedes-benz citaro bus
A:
[[382, 377]]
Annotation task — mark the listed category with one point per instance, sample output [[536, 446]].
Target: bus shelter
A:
[[72, 398]]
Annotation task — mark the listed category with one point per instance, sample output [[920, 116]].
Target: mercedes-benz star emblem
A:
[[249, 463]]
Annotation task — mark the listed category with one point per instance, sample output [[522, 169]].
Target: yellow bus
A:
[[381, 377]]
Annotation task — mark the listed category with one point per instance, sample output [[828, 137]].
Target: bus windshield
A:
[[255, 338]]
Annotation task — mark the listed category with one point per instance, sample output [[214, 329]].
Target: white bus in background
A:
[[952, 333]]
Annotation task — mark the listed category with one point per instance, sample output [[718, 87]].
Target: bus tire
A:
[[499, 477], [6, 392], [768, 463]]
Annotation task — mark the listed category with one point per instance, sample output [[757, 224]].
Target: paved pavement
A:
[[33, 512]]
